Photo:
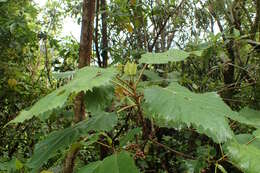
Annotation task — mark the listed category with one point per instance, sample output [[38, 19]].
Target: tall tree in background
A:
[[104, 33], [85, 54], [85, 51]]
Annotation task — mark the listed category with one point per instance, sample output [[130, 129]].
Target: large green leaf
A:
[[58, 140], [151, 75], [99, 99], [85, 79], [246, 157], [117, 163], [177, 105], [172, 55], [63, 75], [248, 116]]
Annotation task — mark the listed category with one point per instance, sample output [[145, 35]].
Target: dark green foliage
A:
[[190, 105], [61, 139]]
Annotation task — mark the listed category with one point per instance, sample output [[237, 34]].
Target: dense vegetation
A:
[[152, 86]]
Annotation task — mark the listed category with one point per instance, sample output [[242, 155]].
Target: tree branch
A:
[[176, 12]]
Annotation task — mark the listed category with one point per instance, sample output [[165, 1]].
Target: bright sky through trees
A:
[[70, 26]]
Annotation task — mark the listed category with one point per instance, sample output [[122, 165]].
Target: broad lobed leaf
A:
[[61, 139], [172, 55], [248, 116], [176, 105], [117, 163], [85, 80], [245, 157], [99, 98], [63, 75]]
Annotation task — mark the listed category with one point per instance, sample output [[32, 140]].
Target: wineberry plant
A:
[[140, 121]]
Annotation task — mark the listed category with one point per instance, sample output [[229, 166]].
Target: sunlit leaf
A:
[[63, 75], [172, 55], [129, 28], [130, 68]]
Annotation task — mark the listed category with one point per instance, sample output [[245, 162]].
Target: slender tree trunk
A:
[[256, 25], [96, 36], [255, 29], [47, 63], [104, 33], [86, 33], [229, 71], [85, 50], [104, 47], [233, 52]]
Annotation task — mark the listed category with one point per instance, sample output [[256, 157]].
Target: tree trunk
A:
[[104, 33], [86, 33], [234, 55], [256, 26], [96, 36], [85, 50]]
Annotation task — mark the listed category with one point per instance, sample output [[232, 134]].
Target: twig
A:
[[105, 145], [231, 88], [222, 158], [137, 81], [126, 107], [252, 140], [172, 150], [127, 84], [126, 89], [234, 100], [47, 62], [122, 128]]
